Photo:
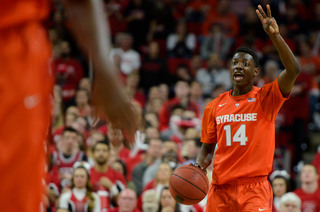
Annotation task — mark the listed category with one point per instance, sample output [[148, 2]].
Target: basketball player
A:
[[241, 123], [26, 84]]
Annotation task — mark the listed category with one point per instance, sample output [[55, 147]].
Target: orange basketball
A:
[[188, 185]]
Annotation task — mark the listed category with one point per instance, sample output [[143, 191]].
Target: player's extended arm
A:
[[205, 155], [88, 23], [288, 76]]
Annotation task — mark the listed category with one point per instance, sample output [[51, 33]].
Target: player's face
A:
[[80, 178], [242, 70], [279, 187], [101, 153]]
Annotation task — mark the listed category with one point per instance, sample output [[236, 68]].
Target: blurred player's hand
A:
[[111, 101], [268, 22], [92, 33]]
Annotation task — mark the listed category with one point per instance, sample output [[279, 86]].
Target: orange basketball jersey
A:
[[243, 128], [15, 12]]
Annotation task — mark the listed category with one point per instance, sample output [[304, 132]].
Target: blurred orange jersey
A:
[[15, 12], [243, 128], [25, 84]]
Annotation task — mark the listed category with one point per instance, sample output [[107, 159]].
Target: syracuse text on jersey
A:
[[236, 118]]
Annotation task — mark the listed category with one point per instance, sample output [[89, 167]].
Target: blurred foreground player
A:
[[26, 84], [241, 123]]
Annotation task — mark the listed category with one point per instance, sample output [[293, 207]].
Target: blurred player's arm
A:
[[205, 155], [288, 76], [88, 23]]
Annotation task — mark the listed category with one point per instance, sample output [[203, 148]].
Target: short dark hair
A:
[[105, 142], [70, 129], [251, 52]]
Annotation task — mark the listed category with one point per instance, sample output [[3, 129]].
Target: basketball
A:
[[188, 185]]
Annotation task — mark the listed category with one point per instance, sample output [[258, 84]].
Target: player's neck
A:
[[241, 91], [310, 187]]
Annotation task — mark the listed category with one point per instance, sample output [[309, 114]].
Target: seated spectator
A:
[[216, 42], [167, 203], [138, 14], [196, 93], [151, 120], [164, 91], [153, 153], [169, 156], [189, 152], [105, 180], [182, 91], [309, 191], [180, 123], [66, 155], [130, 59], [82, 102], [183, 73], [69, 72], [93, 138], [121, 167], [132, 89], [150, 201], [81, 197], [271, 71], [181, 43], [154, 69], [280, 186], [127, 202], [290, 202], [224, 16], [116, 141], [152, 133], [219, 73], [85, 83], [196, 64], [197, 10]]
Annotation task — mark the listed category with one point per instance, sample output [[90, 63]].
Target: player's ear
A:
[[256, 70]]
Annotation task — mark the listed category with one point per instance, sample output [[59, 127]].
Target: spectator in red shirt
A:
[[127, 202], [132, 83], [82, 102], [115, 136], [182, 91], [309, 191], [69, 72], [67, 154], [222, 15], [105, 181]]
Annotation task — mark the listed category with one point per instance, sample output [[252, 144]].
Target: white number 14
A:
[[239, 136]]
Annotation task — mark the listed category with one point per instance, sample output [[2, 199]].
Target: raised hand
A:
[[269, 24]]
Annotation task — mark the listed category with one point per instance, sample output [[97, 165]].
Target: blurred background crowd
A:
[[172, 57]]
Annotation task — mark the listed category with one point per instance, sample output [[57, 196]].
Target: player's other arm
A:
[[288, 76], [205, 154], [88, 24]]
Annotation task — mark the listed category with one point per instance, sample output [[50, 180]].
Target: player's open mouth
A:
[[238, 77]]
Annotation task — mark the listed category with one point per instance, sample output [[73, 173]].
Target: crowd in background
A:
[[172, 57]]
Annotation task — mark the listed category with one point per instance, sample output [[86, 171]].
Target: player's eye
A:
[[246, 64], [234, 63]]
